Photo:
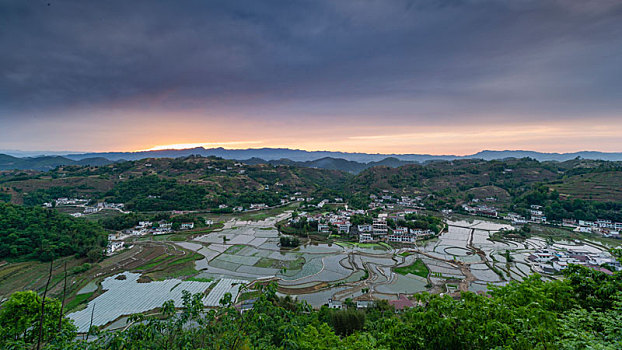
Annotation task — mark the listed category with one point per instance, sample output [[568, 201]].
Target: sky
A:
[[376, 76]]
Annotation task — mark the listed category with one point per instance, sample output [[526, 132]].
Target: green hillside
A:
[[44, 234], [598, 186], [165, 183]]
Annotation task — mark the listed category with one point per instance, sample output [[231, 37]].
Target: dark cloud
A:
[[449, 58]]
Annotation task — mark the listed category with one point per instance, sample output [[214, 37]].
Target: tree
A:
[[45, 234], [95, 255], [19, 319]]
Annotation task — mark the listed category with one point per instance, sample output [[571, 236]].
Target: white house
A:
[[324, 228], [365, 237], [186, 226]]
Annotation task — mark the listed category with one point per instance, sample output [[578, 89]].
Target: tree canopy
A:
[[44, 234]]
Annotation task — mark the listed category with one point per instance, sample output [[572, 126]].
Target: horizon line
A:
[[38, 153]]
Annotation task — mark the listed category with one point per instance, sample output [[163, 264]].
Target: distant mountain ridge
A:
[[45, 163], [344, 161], [271, 154]]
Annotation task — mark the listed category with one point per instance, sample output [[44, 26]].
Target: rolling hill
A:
[[276, 154], [45, 163]]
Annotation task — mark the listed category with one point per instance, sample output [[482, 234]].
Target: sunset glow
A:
[[232, 144], [379, 77]]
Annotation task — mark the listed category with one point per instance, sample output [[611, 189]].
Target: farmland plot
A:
[[127, 296]]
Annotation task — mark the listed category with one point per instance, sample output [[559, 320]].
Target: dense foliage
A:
[[556, 208], [151, 193], [289, 241], [37, 233], [49, 195], [582, 311], [5, 197], [20, 319], [422, 222], [300, 227]]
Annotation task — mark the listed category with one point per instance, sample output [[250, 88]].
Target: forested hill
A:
[[334, 163], [270, 154], [44, 234], [194, 182], [578, 188], [165, 183], [344, 161], [45, 163]]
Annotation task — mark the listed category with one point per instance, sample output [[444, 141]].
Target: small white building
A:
[[324, 228], [335, 304], [365, 228], [186, 226], [365, 237], [145, 223]]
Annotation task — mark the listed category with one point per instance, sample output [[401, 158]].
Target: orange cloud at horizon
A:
[[127, 131], [541, 138]]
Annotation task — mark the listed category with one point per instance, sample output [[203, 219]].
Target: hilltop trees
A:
[[151, 193], [44, 234]]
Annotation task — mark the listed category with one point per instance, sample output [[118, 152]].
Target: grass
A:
[[296, 264], [191, 257], [184, 271], [385, 245], [405, 254], [279, 264], [418, 268], [176, 237], [172, 266], [155, 262], [249, 295], [266, 262], [234, 249], [77, 301], [600, 186], [175, 272]]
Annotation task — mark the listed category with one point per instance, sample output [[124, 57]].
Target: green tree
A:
[[19, 321]]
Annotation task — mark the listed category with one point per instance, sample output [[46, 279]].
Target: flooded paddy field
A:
[[463, 257], [467, 256]]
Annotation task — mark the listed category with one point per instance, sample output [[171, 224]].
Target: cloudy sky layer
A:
[[422, 76]]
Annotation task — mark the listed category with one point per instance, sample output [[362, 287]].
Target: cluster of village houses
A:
[[83, 203], [377, 231], [115, 240], [553, 260], [606, 228], [387, 201]]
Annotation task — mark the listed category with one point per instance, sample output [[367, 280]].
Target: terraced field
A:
[[605, 186], [461, 258]]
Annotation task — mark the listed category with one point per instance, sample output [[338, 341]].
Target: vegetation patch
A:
[[77, 301], [234, 249], [253, 294], [417, 268], [44, 234]]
